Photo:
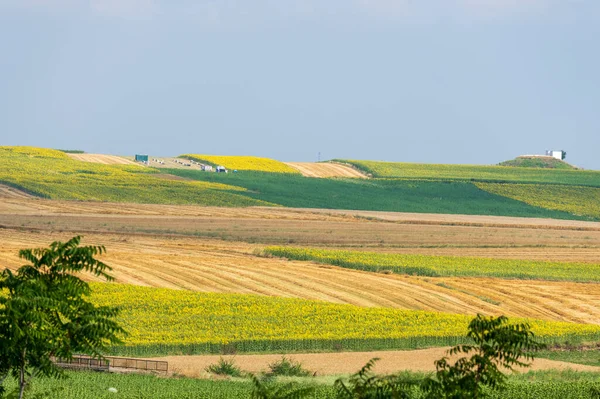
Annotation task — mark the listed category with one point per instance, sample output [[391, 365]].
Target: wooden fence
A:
[[84, 362]]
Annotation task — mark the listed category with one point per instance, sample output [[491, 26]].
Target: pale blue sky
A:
[[446, 81]]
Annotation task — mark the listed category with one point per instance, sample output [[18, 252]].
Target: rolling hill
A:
[[396, 187]]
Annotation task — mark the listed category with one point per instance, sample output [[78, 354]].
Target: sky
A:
[[433, 81]]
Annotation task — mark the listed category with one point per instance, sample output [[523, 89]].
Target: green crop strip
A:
[[438, 266]]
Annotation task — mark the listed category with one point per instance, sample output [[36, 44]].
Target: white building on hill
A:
[[557, 154]]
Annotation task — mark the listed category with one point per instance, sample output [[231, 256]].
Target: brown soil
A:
[[103, 159], [344, 362], [210, 265], [177, 247], [180, 248], [13, 194], [465, 220], [326, 169]]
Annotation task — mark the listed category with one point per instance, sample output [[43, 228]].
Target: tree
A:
[[366, 385], [45, 314], [498, 345], [266, 390]]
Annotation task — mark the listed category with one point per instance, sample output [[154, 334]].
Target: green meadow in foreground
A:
[[438, 266], [94, 385]]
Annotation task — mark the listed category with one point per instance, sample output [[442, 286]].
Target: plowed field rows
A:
[[310, 169], [216, 266], [311, 230], [103, 159]]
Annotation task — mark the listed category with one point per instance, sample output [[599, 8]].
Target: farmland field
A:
[[577, 200], [103, 159], [477, 173], [182, 247], [84, 385], [437, 266], [163, 321], [266, 182], [374, 194], [244, 163], [197, 279], [53, 174], [325, 169]]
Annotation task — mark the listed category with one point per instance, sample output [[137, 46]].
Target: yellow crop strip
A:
[[158, 316], [52, 174], [428, 265], [244, 163], [578, 200]]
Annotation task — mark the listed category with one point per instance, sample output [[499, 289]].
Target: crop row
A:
[[477, 173], [438, 266], [244, 163], [52, 174], [161, 321], [83, 385], [577, 200]]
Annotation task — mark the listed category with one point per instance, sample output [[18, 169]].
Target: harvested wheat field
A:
[[345, 362], [103, 159], [13, 195], [216, 266], [326, 169], [213, 250], [310, 229]]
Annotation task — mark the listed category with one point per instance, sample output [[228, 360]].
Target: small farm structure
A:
[[557, 154], [141, 158], [206, 168], [221, 169]]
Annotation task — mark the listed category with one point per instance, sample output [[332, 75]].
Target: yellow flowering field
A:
[[403, 170], [161, 321], [578, 200], [52, 174], [244, 163], [437, 266]]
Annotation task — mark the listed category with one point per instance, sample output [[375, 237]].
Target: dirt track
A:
[[103, 159], [310, 169], [344, 363]]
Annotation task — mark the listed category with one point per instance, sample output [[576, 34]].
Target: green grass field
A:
[[52, 174], [577, 200], [537, 162], [442, 188], [88, 385], [438, 266], [493, 174], [590, 357], [374, 194]]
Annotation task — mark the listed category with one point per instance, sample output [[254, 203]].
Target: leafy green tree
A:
[[498, 346], [269, 390], [45, 314], [366, 385]]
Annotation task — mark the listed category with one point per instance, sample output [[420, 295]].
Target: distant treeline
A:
[[72, 151]]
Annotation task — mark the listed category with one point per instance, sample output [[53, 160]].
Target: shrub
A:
[[225, 367], [288, 368]]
